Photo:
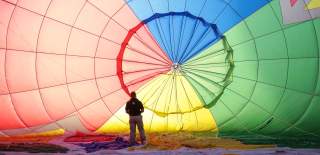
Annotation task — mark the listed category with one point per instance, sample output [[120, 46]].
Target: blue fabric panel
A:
[[176, 27], [159, 6], [177, 5], [227, 19], [195, 6], [212, 10], [141, 8]]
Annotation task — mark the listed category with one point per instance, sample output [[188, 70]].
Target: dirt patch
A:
[[169, 141], [33, 148]]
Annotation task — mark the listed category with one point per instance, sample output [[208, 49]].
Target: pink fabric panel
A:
[[65, 11], [138, 63], [109, 7], [107, 85], [107, 49], [139, 56], [83, 93], [12, 1], [91, 19], [132, 77], [30, 108], [8, 117], [140, 81], [74, 67], [40, 8], [116, 100], [95, 115], [123, 15], [6, 11], [53, 37], [105, 67], [79, 68], [138, 45], [50, 70], [20, 69], [144, 33], [82, 43], [24, 28], [3, 84], [57, 101], [72, 123], [114, 32]]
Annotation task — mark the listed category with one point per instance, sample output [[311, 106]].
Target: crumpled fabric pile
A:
[[117, 144]]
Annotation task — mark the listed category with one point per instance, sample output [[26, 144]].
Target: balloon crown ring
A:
[[196, 62]]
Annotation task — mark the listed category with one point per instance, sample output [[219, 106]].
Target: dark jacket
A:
[[134, 107]]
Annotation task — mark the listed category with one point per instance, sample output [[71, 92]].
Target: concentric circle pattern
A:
[[237, 67], [174, 86]]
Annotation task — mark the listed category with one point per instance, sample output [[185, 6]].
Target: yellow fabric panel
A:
[[169, 94], [200, 120], [171, 104], [313, 4]]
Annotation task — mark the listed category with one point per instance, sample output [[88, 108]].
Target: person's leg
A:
[[141, 129], [132, 123]]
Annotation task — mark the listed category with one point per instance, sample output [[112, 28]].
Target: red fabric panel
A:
[[26, 26], [30, 108], [18, 65], [8, 117], [50, 70], [57, 101]]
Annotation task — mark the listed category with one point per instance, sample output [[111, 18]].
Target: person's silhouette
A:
[[134, 108]]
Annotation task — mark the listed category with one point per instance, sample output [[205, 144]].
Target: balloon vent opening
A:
[[176, 67]]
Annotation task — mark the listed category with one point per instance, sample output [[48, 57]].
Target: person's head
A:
[[133, 94]]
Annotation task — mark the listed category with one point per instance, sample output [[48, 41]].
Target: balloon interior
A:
[[232, 68]]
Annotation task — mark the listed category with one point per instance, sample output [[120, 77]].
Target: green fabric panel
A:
[[292, 107], [266, 99], [246, 69], [269, 68], [307, 120], [210, 52], [272, 46], [243, 87], [212, 77], [216, 59], [317, 26], [299, 77], [274, 127], [202, 78], [235, 102], [276, 11], [238, 34], [284, 59], [223, 110], [252, 116], [203, 93], [233, 127], [209, 72], [301, 40], [245, 51], [257, 22]]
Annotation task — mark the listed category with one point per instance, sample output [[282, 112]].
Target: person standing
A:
[[134, 108]]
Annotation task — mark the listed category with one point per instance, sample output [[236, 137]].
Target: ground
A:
[[158, 143]]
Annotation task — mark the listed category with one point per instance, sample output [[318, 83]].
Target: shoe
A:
[[144, 142], [133, 144]]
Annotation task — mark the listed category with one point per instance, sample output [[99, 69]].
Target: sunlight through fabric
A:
[[234, 67]]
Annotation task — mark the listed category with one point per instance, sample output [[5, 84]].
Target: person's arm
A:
[[141, 107], [127, 108]]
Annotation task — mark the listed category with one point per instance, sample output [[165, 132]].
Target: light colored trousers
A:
[[136, 121]]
